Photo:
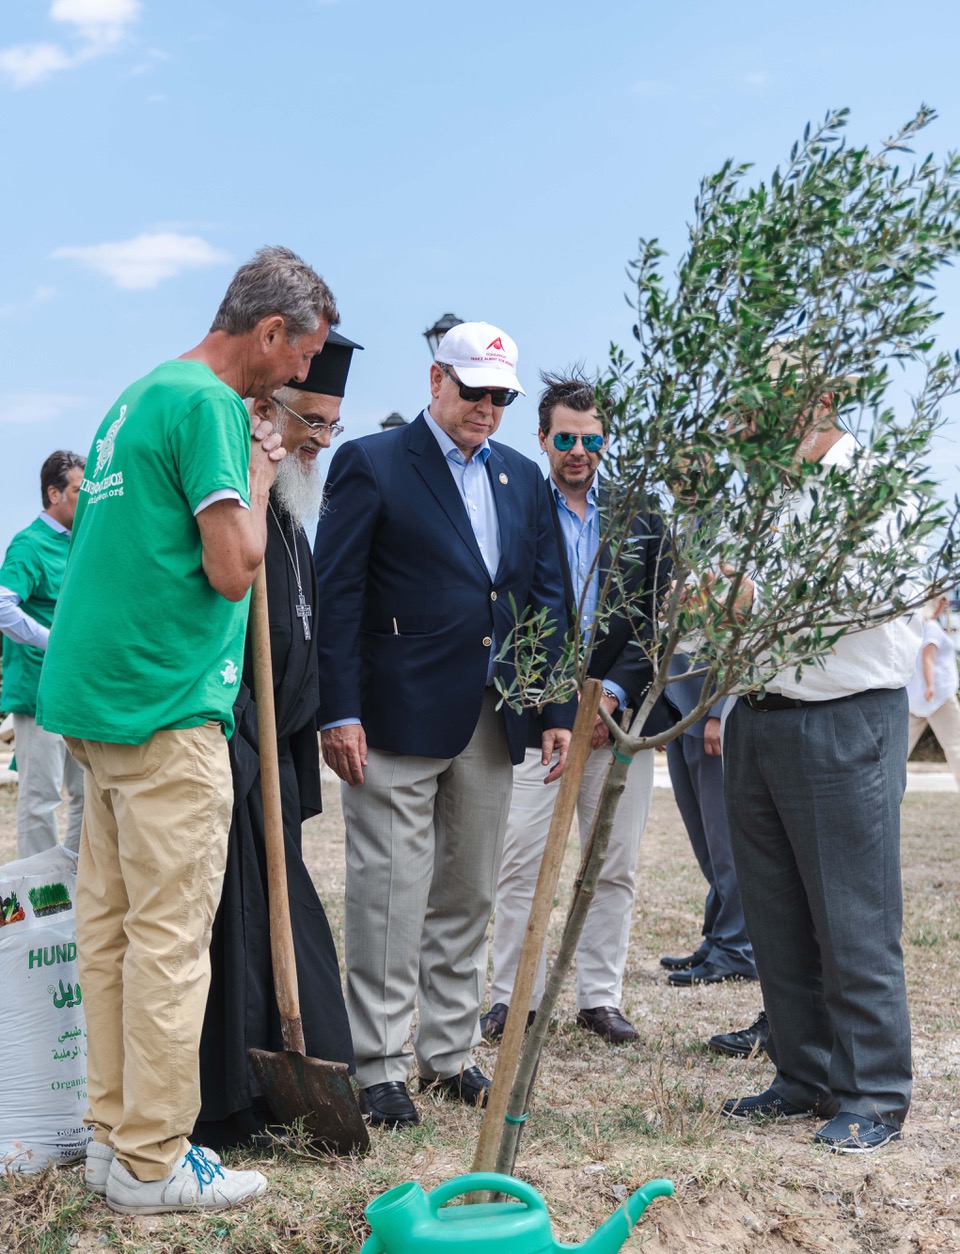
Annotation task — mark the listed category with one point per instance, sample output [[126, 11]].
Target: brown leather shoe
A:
[[608, 1022]]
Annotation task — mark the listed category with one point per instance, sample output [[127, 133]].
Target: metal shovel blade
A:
[[317, 1092]]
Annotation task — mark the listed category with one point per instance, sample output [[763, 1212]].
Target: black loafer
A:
[[494, 1021], [686, 962], [768, 1105], [469, 1086], [847, 1133], [388, 1105], [705, 973], [608, 1022], [751, 1040]]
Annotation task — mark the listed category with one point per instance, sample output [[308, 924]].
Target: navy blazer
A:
[[616, 655], [407, 607]]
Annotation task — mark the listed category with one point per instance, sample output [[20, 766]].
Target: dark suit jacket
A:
[[645, 575], [406, 605]]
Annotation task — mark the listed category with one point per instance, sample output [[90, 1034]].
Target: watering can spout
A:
[[610, 1236], [397, 1215]]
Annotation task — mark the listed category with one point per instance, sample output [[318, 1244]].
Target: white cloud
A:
[[649, 87], [143, 262], [36, 406], [100, 25], [40, 295], [26, 64]]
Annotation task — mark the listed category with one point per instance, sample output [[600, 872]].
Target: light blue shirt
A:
[[581, 540], [476, 490]]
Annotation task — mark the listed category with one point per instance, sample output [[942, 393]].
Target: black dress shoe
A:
[[705, 973], [608, 1022], [685, 963], [469, 1086], [495, 1020], [742, 1044], [388, 1105]]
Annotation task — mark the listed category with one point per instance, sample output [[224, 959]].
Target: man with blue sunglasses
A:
[[573, 436]]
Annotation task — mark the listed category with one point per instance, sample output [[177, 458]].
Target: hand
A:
[[928, 692], [266, 453], [601, 733], [345, 752], [711, 738], [555, 739]]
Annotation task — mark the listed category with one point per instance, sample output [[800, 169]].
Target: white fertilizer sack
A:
[[43, 1035]]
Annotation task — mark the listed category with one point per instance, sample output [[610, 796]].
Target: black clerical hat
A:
[[329, 369]]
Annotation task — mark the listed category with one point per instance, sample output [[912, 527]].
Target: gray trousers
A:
[[813, 800], [423, 841], [44, 768], [697, 779]]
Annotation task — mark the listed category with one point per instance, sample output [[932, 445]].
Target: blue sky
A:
[[498, 161]]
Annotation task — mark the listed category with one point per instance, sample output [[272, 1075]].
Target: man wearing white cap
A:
[[431, 535]]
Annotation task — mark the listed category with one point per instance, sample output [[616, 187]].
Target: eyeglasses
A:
[[333, 428], [498, 396], [563, 442]]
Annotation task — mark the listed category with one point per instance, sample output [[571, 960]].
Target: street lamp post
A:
[[433, 335]]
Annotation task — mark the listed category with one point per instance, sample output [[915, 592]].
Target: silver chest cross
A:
[[304, 612]]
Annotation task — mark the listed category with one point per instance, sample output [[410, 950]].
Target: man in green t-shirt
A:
[[141, 675], [30, 581]]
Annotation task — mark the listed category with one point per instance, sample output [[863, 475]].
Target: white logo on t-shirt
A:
[[229, 673], [105, 446]]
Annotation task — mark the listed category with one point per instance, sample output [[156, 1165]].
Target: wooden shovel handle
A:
[[281, 932]]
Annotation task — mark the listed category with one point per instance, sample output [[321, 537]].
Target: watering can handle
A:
[[485, 1181]]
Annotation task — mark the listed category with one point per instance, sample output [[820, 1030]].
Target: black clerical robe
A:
[[241, 1007]]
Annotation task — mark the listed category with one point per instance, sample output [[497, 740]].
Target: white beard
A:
[[299, 490]]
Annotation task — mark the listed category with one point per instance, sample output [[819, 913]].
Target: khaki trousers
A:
[[945, 723], [602, 948], [423, 840], [152, 856], [44, 768]]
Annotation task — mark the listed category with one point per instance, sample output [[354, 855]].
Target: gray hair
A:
[[276, 281]]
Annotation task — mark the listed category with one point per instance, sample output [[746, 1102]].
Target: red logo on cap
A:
[[497, 343]]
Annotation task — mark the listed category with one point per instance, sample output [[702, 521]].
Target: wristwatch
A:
[[608, 692]]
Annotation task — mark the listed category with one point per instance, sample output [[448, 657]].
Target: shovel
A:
[[297, 1087]]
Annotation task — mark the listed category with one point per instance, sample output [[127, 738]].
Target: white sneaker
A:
[[97, 1166], [197, 1182]]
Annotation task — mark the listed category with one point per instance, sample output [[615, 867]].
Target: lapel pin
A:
[[503, 478]]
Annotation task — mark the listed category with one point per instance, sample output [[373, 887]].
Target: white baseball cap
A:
[[482, 355]]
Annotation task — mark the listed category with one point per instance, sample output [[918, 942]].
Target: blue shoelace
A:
[[205, 1171]]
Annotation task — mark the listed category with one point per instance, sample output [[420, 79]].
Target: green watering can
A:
[[405, 1220]]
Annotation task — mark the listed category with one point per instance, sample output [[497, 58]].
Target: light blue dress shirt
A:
[[581, 540]]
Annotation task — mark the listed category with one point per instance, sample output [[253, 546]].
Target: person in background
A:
[[932, 691], [30, 580]]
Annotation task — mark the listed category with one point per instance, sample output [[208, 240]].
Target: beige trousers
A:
[[945, 722], [152, 856], [423, 840], [602, 948]]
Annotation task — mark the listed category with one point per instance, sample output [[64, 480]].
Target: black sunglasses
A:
[[498, 396], [563, 442]]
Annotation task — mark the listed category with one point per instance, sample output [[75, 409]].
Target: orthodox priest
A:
[[241, 1009]]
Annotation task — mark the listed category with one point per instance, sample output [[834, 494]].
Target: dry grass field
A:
[[605, 1120]]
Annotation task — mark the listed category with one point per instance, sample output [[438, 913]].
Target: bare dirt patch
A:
[[606, 1120]]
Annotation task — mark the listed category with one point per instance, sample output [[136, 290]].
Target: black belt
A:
[[775, 701]]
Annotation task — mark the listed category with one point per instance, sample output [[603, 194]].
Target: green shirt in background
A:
[[33, 569], [141, 642]]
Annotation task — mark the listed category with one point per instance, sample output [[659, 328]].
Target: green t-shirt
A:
[[33, 569], [141, 642]]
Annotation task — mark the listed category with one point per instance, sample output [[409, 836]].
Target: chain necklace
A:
[[304, 612]]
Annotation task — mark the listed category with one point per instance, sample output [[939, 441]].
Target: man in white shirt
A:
[[30, 581], [815, 772]]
